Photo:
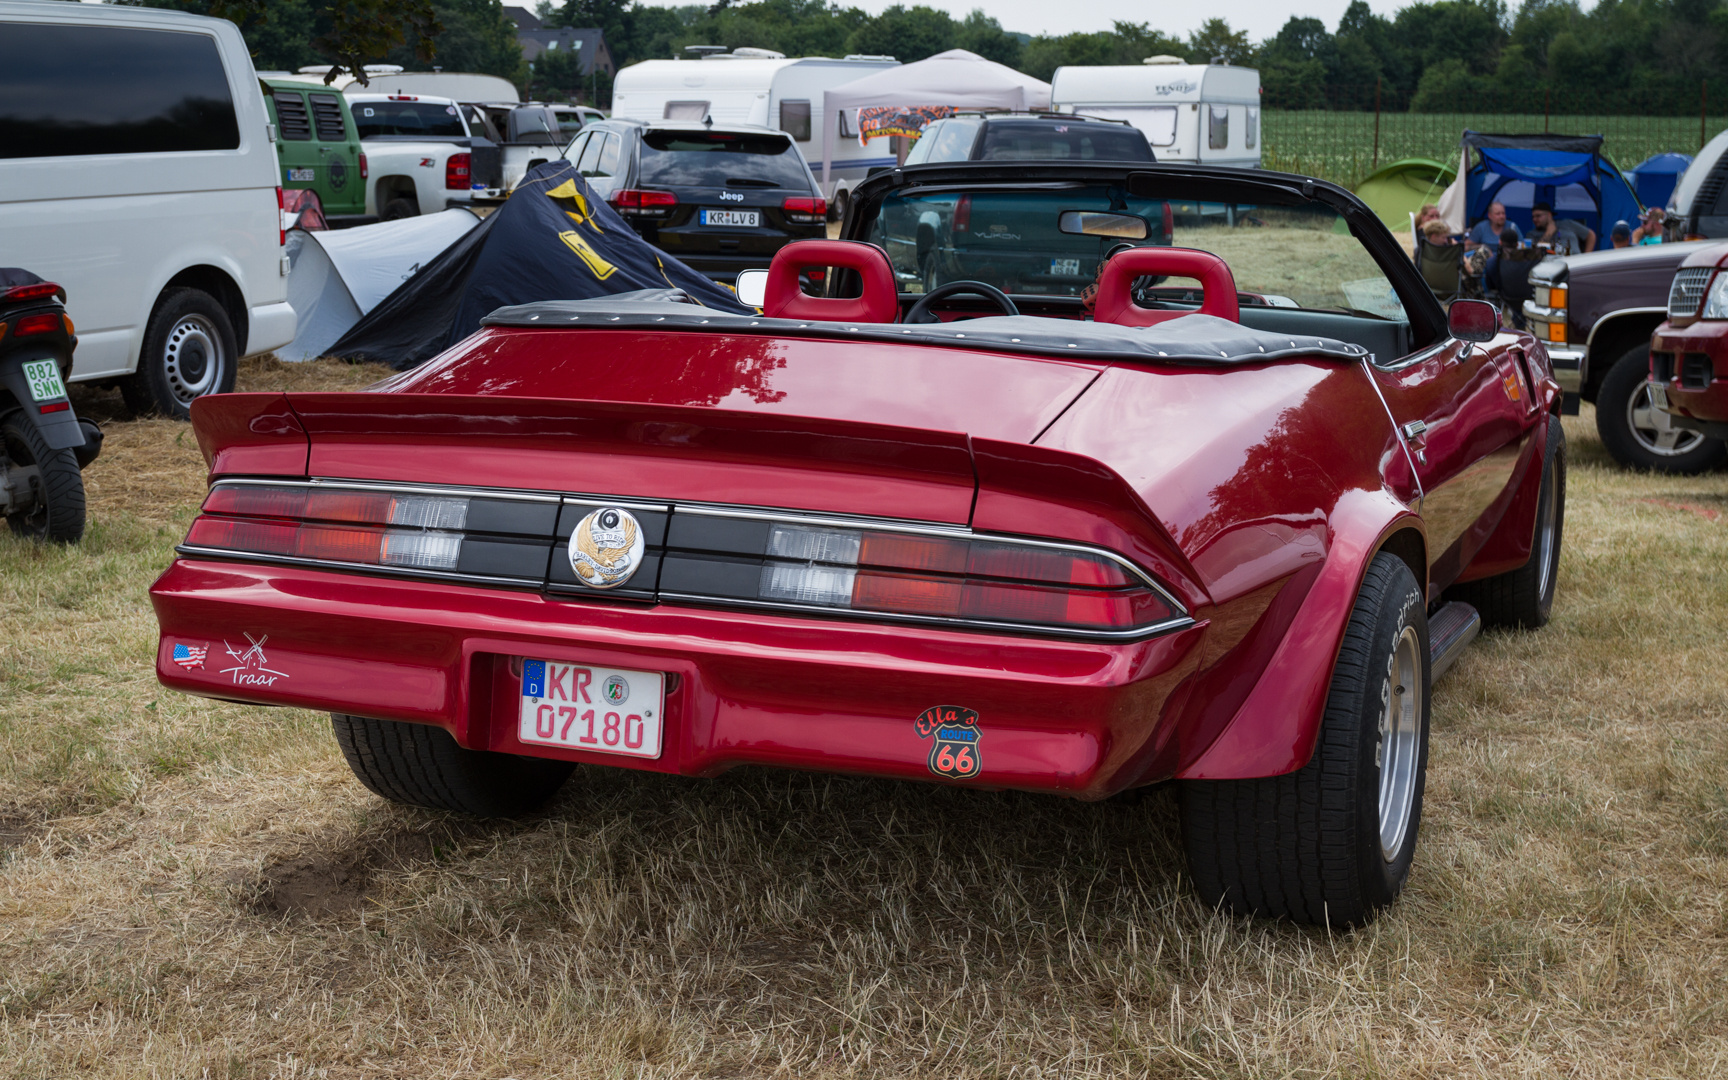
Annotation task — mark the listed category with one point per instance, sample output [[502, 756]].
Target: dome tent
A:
[[1517, 171], [1397, 190], [1655, 178]]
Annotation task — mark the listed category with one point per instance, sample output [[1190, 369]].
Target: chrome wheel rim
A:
[[1549, 513], [1654, 429], [1400, 734], [192, 359]]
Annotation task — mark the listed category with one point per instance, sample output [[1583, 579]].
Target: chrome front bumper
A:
[[1568, 359]]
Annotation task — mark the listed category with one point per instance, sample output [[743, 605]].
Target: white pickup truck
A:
[[419, 153]]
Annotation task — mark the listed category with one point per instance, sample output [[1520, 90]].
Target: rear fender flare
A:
[[1274, 729]]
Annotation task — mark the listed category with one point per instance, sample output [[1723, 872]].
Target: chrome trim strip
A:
[[944, 622], [792, 517], [1544, 314], [364, 568], [326, 483]]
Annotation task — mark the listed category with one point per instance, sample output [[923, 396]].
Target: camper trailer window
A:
[[1218, 127], [721, 159], [685, 110], [1160, 125], [848, 130], [795, 119], [1253, 127]]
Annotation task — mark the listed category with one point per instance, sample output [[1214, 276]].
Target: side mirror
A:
[[1472, 320], [752, 287]]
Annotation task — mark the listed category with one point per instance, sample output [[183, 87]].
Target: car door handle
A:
[[1415, 431]]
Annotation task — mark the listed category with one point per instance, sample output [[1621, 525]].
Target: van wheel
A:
[[1330, 844], [1637, 434], [189, 351], [57, 512], [422, 765], [397, 209]]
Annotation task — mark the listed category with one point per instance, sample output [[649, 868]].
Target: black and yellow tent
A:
[[553, 240]]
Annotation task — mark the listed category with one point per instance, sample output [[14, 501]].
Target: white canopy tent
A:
[[336, 277], [957, 78]]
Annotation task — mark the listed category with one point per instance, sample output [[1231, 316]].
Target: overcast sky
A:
[[1261, 18]]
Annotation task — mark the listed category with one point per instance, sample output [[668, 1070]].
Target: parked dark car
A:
[[1022, 137], [722, 199], [1596, 312]]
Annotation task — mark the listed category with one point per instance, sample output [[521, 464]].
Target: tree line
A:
[[1626, 56]]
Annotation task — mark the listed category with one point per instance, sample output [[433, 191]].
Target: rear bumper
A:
[[1078, 718], [271, 326], [1690, 364]]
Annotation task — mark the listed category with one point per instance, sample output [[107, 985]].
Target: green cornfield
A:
[[1342, 147]]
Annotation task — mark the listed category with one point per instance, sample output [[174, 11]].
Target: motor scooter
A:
[[43, 444]]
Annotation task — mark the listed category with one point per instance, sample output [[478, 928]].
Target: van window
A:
[[327, 116], [1253, 127], [685, 110], [291, 116], [1217, 127], [68, 90], [418, 118], [795, 119]]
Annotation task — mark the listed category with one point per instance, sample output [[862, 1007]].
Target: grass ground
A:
[[196, 889]]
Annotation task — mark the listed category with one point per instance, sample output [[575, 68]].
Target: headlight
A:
[[1716, 299]]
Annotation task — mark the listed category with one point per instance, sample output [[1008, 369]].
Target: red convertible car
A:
[[1219, 521], [1689, 352]]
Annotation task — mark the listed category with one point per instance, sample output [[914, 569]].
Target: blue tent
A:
[[1656, 177], [1565, 171]]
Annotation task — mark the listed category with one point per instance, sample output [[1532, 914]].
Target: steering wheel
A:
[[920, 312]]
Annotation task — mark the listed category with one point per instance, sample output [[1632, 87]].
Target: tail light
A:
[[368, 528], [403, 97], [281, 219], [963, 214], [17, 294], [1169, 223], [363, 169], [40, 324], [458, 175], [806, 211], [631, 202], [971, 580]]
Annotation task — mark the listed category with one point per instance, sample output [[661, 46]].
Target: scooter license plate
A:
[[44, 379], [583, 707]]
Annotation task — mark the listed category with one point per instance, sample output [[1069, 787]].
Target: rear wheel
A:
[[1524, 597], [52, 496], [837, 208], [1639, 435], [189, 351], [397, 209], [1332, 842], [422, 765]]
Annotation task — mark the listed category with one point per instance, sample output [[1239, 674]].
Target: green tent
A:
[[1397, 190]]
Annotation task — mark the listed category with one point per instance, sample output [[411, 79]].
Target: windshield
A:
[[721, 159], [1052, 241], [423, 118]]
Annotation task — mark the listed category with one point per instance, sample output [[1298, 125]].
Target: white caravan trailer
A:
[[756, 86], [1203, 113]]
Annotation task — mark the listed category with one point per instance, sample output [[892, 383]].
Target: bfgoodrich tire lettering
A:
[[1525, 597], [422, 765], [1307, 846], [189, 351]]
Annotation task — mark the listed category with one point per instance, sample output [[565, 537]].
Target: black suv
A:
[[1029, 137], [720, 199]]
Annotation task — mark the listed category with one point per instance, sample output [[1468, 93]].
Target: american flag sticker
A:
[[190, 657]]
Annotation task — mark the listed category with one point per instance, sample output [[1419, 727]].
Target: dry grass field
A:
[[194, 889]]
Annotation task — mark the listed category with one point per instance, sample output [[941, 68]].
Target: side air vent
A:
[[1661, 367], [1688, 291], [327, 115], [291, 116], [1694, 371]]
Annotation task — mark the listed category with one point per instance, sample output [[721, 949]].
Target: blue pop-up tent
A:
[[1655, 178], [1566, 171]]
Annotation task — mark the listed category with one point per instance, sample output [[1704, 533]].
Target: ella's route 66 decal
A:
[[955, 752]]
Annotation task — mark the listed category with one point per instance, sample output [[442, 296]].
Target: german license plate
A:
[[44, 379], [302, 176], [748, 219], [582, 707], [1065, 267]]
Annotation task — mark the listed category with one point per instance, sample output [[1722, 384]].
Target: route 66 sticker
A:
[[954, 751]]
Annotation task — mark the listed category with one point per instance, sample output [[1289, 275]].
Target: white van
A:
[[762, 88], [1207, 114], [137, 171]]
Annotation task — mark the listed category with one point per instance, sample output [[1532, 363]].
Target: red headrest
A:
[[879, 302], [1115, 303]]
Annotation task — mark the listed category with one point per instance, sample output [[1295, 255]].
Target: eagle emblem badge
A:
[[606, 548], [956, 753]]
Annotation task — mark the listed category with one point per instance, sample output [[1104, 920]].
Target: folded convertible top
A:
[[1191, 338]]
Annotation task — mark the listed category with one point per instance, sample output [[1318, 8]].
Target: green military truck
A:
[[318, 148]]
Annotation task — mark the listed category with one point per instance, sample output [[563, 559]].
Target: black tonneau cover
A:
[[1204, 339]]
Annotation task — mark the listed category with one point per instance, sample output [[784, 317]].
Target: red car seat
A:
[[878, 303], [1115, 303]]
